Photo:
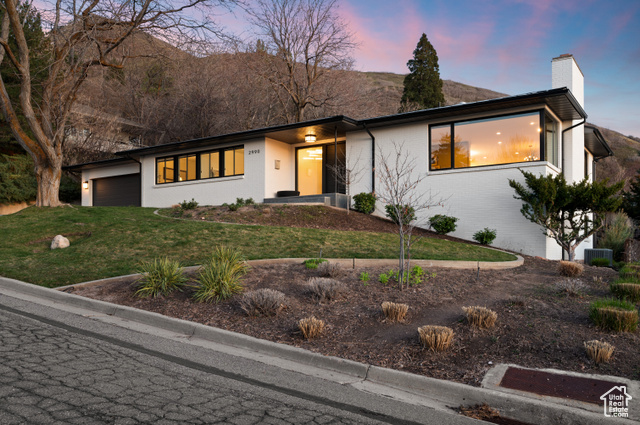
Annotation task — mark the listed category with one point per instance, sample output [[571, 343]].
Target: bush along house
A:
[[468, 151]]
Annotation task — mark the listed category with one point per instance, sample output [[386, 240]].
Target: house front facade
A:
[[467, 151]]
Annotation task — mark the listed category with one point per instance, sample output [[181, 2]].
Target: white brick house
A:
[[469, 152]]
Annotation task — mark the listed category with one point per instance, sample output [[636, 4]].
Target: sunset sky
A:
[[507, 46]]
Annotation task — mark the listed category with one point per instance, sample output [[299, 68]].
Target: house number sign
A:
[[254, 151]]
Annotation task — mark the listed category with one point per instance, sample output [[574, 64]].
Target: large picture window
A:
[[493, 141], [200, 166]]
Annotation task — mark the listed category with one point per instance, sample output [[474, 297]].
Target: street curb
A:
[[452, 394]]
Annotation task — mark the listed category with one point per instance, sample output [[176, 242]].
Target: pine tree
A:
[[423, 86], [631, 202]]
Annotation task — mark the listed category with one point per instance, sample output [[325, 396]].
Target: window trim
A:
[[541, 115], [177, 156]]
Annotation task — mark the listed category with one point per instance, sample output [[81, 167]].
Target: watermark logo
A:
[[616, 402]]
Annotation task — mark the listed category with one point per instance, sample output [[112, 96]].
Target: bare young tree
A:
[[400, 190], [83, 35], [304, 44]]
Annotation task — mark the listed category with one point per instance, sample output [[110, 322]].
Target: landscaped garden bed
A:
[[542, 321]]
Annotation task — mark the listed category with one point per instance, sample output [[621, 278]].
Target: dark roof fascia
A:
[[97, 164], [239, 136], [595, 143], [560, 100]]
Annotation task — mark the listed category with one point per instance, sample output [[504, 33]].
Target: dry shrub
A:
[[328, 269], [599, 351], [570, 269], [394, 312], [262, 302], [481, 317], [570, 287], [324, 289], [311, 327], [435, 338]]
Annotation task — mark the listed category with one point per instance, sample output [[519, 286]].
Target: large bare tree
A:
[[83, 34], [305, 46]]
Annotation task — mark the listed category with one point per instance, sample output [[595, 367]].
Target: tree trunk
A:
[[48, 176], [401, 262]]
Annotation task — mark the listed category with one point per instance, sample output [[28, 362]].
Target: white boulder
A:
[[59, 242]]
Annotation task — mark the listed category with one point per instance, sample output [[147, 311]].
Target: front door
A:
[[315, 169]]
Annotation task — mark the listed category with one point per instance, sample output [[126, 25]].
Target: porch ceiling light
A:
[[310, 138], [85, 185]]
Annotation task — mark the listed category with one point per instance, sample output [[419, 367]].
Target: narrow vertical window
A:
[[228, 163], [239, 161], [441, 147], [550, 140], [209, 165], [187, 168], [164, 170]]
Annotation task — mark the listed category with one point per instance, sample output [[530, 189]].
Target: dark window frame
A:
[[451, 124], [176, 168]]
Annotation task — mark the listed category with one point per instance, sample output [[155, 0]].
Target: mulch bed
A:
[[538, 325]]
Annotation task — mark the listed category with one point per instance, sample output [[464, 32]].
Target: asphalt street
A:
[[61, 368]]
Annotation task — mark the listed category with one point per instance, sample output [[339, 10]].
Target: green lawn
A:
[[111, 241]]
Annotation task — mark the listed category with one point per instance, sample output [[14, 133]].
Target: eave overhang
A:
[[595, 143], [323, 129], [561, 101], [98, 164]]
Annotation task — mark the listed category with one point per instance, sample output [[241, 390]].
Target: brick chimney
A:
[[565, 72]]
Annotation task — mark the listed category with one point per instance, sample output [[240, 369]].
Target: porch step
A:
[[339, 200]]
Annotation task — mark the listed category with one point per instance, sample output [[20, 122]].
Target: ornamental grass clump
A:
[[570, 269], [221, 276], [262, 302], [394, 312], [614, 315], [626, 289], [324, 289], [599, 351], [481, 317], [328, 269], [311, 327], [630, 272], [160, 277], [435, 338]]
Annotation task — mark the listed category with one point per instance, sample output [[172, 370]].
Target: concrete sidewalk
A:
[[438, 395]]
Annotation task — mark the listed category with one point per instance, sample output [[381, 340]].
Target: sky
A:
[[507, 46]]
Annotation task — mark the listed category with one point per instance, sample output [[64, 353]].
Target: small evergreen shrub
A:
[[324, 289], [384, 278], [599, 351], [600, 262], [480, 317], [188, 205], [262, 302], [443, 224], [626, 289], [408, 213], [311, 327], [364, 277], [327, 269], [364, 202], [312, 263], [435, 338], [614, 315], [394, 312], [485, 236], [160, 277], [570, 269], [221, 276]]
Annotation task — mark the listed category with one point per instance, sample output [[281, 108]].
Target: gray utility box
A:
[[590, 254]]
